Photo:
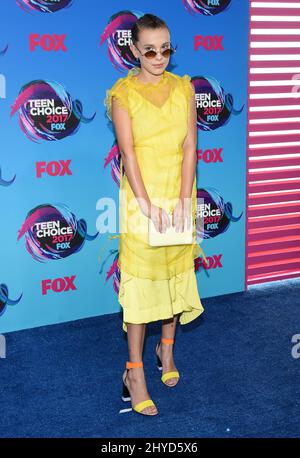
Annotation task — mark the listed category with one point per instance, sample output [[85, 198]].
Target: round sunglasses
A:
[[151, 53]]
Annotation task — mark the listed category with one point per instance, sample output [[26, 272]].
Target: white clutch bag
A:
[[170, 237]]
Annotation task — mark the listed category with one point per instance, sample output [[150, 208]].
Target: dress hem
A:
[[179, 295], [182, 319]]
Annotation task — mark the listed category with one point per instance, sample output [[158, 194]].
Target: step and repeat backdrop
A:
[[59, 160]]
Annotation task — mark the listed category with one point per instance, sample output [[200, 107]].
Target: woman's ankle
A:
[[136, 374]]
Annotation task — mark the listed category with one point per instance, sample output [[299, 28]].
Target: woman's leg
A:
[[165, 351], [135, 379]]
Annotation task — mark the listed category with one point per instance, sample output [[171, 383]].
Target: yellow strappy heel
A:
[[167, 375], [127, 397]]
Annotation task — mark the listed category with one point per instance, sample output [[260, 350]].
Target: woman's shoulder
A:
[[125, 80], [119, 91], [185, 82], [124, 83], [120, 83], [185, 78]]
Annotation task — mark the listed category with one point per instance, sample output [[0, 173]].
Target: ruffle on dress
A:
[[188, 86], [155, 93], [120, 92], [189, 90], [144, 300], [149, 91]]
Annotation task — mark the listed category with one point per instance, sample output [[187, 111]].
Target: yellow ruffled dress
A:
[[156, 282]]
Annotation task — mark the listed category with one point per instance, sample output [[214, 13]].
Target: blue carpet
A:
[[238, 376]]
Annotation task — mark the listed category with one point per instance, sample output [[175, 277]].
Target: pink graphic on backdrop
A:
[[114, 158]]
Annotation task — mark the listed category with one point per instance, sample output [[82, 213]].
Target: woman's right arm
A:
[[122, 124], [123, 129]]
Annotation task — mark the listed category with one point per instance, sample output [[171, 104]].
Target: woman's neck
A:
[[155, 79]]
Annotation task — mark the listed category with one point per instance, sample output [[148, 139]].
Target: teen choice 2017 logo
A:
[[47, 111], [44, 6], [214, 106], [118, 37], [53, 232], [215, 214], [206, 7]]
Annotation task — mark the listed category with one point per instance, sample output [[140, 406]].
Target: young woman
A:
[[154, 116]]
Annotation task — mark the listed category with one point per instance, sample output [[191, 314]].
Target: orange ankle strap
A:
[[130, 364], [167, 341]]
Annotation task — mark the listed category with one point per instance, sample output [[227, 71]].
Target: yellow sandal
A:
[[127, 397], [167, 375]]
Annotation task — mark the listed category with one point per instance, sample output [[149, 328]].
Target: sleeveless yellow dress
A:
[[156, 282]]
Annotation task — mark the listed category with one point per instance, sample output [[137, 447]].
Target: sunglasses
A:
[[151, 53]]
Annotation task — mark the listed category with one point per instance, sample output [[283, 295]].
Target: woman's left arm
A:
[[189, 162], [188, 169]]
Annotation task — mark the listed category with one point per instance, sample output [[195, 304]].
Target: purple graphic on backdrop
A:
[[3, 51], [6, 182], [214, 107], [47, 112], [116, 274], [53, 232], [206, 7], [5, 300], [117, 35], [44, 6], [215, 213]]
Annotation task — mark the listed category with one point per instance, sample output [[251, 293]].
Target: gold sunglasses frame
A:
[[171, 48]]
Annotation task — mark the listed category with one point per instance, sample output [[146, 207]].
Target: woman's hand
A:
[[182, 213], [158, 215]]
